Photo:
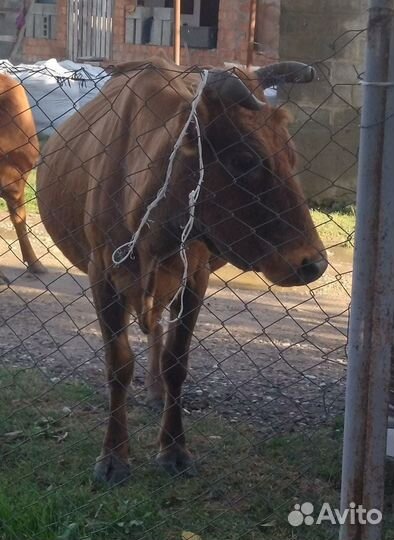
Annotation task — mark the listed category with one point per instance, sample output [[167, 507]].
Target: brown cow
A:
[[108, 162], [19, 152]]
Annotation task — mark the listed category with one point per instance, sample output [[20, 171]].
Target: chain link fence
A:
[[212, 179]]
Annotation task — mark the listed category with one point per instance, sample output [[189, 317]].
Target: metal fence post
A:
[[373, 284]]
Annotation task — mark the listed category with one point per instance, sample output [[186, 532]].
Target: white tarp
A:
[[56, 89]]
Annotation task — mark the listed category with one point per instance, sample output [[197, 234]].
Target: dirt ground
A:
[[267, 356]]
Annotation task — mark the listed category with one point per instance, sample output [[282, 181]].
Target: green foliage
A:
[[51, 431], [336, 228], [30, 196]]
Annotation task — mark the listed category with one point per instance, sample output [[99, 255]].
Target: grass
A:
[[50, 435], [30, 195], [335, 227]]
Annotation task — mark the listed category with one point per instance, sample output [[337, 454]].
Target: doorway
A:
[[90, 30]]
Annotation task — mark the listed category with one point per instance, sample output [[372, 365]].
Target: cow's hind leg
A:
[[173, 455], [112, 466], [16, 206]]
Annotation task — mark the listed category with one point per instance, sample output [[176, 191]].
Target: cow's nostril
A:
[[312, 270]]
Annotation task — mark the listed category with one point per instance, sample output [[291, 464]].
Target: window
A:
[[199, 19], [187, 6]]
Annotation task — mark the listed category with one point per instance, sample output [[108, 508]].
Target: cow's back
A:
[[97, 169], [62, 189], [77, 159]]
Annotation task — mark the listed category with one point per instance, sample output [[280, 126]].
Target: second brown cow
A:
[[19, 153]]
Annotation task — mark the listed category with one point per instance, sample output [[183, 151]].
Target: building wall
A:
[[326, 33], [43, 49], [9, 10], [322, 32], [232, 36]]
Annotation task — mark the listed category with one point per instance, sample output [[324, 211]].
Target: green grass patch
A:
[[336, 228], [30, 195], [50, 434]]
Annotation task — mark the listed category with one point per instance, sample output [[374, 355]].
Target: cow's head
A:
[[251, 211]]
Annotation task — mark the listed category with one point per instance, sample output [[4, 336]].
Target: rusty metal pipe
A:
[[177, 32], [369, 349], [251, 32]]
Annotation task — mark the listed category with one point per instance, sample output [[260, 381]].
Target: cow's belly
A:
[[61, 200]]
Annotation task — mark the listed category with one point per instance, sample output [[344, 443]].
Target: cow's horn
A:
[[230, 90], [285, 72]]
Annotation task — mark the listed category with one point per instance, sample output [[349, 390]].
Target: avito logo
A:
[[303, 514]]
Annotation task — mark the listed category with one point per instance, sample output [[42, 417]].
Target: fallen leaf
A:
[[268, 524], [12, 435], [187, 535], [61, 438]]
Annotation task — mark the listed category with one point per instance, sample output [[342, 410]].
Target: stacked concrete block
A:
[[162, 26], [134, 24], [329, 34], [8, 13], [41, 23]]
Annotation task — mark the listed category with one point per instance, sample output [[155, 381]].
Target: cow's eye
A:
[[244, 161]]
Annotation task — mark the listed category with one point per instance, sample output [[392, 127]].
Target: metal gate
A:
[[90, 29]]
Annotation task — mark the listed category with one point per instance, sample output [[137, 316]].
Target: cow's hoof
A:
[[176, 462], [111, 470], [36, 268]]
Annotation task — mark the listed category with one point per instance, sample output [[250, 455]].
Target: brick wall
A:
[[232, 36]]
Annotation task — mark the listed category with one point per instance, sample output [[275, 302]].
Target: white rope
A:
[[126, 250], [120, 255], [193, 198]]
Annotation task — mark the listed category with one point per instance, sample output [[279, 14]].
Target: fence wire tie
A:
[[376, 83], [126, 250]]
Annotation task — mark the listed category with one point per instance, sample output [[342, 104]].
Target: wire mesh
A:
[[263, 398]]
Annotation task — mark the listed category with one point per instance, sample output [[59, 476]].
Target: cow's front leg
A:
[[173, 455], [153, 379], [112, 466]]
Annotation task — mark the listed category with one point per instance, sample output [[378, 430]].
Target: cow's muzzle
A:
[[311, 270]]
